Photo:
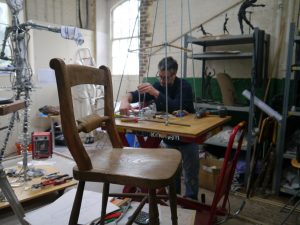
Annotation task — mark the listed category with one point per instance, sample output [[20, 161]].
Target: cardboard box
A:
[[209, 172]]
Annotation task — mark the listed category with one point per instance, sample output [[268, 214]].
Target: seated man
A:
[[167, 69]]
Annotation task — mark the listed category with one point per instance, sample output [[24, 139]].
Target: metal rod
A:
[[157, 121], [161, 45]]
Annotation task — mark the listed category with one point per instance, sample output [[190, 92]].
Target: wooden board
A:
[[25, 193], [196, 127], [11, 107]]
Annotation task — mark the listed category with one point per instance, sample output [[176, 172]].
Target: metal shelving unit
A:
[[233, 41], [259, 57], [293, 49], [216, 106]]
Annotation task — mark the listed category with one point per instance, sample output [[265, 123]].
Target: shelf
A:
[[221, 40], [221, 56], [294, 113], [289, 191], [221, 140], [229, 108], [295, 68], [297, 39], [292, 63], [289, 155], [258, 45], [11, 107], [215, 140]]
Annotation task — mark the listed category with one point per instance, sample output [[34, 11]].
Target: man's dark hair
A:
[[172, 65]]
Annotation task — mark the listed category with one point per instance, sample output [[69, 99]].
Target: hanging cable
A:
[[166, 65], [155, 16], [150, 54], [181, 57], [87, 13], [79, 13], [193, 64]]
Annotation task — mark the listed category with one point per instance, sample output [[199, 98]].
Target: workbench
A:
[[188, 128], [24, 192]]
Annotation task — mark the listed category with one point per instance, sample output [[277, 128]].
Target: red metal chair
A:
[[207, 214]]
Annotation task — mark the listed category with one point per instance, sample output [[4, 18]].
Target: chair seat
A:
[[144, 167]]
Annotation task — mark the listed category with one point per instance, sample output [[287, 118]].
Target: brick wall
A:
[[145, 35]]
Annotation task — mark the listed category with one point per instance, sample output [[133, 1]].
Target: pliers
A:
[[52, 181]]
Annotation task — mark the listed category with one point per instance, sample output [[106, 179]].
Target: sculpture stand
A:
[[11, 197]]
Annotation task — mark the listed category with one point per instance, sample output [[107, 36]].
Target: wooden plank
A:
[[197, 126], [11, 107], [25, 193]]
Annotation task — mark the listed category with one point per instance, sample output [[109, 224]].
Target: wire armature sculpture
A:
[[242, 13], [19, 37], [225, 30]]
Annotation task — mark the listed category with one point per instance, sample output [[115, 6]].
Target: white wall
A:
[[102, 36], [45, 46]]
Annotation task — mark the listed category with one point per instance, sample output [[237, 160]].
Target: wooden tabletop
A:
[[25, 193], [11, 107], [191, 126]]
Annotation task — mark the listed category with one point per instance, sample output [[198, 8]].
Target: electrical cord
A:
[[124, 211]]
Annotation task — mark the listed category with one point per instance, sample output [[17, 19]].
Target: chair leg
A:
[[153, 210], [173, 204], [105, 193], [77, 204], [137, 211]]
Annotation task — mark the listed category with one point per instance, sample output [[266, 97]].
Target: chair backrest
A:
[[228, 168], [71, 75]]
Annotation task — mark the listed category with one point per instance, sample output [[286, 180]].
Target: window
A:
[[124, 23], [4, 10]]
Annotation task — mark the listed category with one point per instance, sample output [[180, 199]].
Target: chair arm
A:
[[91, 122]]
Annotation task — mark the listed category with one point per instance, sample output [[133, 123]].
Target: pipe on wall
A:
[[290, 15]]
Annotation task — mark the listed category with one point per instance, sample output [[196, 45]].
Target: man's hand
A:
[[124, 108], [148, 88], [125, 105]]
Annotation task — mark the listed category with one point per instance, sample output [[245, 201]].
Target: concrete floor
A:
[[254, 212]]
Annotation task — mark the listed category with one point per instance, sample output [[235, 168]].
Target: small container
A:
[[19, 147]]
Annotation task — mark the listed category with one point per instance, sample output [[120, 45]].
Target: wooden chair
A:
[[148, 168], [206, 214]]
